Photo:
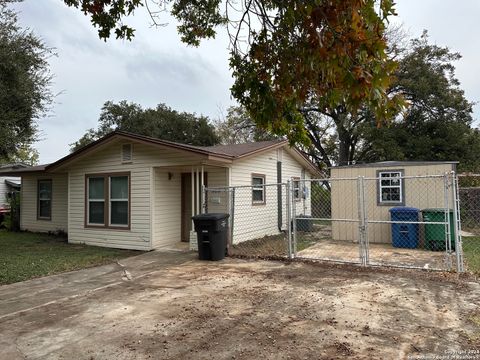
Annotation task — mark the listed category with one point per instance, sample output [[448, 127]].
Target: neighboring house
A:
[[137, 192], [9, 184], [387, 184]]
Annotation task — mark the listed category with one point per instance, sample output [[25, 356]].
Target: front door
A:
[[187, 202]]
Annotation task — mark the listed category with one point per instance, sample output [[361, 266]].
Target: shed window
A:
[[390, 187], [44, 207], [258, 189], [108, 200]]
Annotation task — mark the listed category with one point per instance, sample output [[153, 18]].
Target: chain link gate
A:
[[259, 218], [346, 220]]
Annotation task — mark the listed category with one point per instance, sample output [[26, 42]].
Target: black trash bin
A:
[[212, 232]]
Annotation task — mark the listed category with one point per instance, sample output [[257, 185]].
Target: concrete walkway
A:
[[28, 295]]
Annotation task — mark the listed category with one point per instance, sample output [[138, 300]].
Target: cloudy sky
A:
[[157, 68]]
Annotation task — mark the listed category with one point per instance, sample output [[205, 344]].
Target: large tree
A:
[[237, 127], [24, 84], [436, 124], [283, 53], [161, 122]]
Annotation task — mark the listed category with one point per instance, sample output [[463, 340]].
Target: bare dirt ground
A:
[[238, 309]]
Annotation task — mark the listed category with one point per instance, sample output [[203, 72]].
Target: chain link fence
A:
[[329, 231], [469, 195], [258, 218], [410, 221], [389, 220]]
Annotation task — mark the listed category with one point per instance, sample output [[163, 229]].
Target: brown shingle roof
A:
[[23, 170], [231, 152]]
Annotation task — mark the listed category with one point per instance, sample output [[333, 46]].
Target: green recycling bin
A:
[[435, 233]]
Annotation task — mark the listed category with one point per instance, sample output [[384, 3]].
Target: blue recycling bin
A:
[[404, 235]]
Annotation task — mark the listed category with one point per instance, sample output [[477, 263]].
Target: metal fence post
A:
[[294, 219], [448, 245], [289, 221], [366, 243], [361, 220], [457, 223], [232, 216]]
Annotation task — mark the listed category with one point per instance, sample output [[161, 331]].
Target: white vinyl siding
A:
[[29, 198], [292, 168], [167, 208], [3, 192], [107, 160], [167, 203], [218, 201], [264, 217], [4, 189]]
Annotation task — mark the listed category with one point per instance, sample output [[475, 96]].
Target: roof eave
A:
[[266, 148], [63, 162], [395, 164]]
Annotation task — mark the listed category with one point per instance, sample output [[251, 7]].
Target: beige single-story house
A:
[[137, 192], [387, 184]]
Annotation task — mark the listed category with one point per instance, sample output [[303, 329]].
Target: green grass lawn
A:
[[25, 256], [471, 253]]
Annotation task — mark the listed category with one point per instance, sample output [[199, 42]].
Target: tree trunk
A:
[[343, 147]]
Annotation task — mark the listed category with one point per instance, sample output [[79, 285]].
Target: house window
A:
[[44, 205], [96, 200], [108, 200], [390, 189], [296, 189], [258, 189], [119, 200]]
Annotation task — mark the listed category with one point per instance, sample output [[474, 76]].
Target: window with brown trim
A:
[[44, 199], [258, 189], [107, 200]]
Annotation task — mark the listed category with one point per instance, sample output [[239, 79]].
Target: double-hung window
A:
[[258, 189], [108, 200], [390, 188], [118, 201], [96, 200], [44, 201]]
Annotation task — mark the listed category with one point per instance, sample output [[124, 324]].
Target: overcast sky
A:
[[157, 68]]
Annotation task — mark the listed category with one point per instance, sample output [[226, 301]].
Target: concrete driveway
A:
[[168, 305]]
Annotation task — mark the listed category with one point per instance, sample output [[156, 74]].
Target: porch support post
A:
[[193, 194], [201, 194], [198, 191]]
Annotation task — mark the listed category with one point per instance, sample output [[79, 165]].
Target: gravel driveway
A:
[[175, 307]]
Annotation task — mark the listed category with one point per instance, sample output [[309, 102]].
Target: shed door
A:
[[187, 202]]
